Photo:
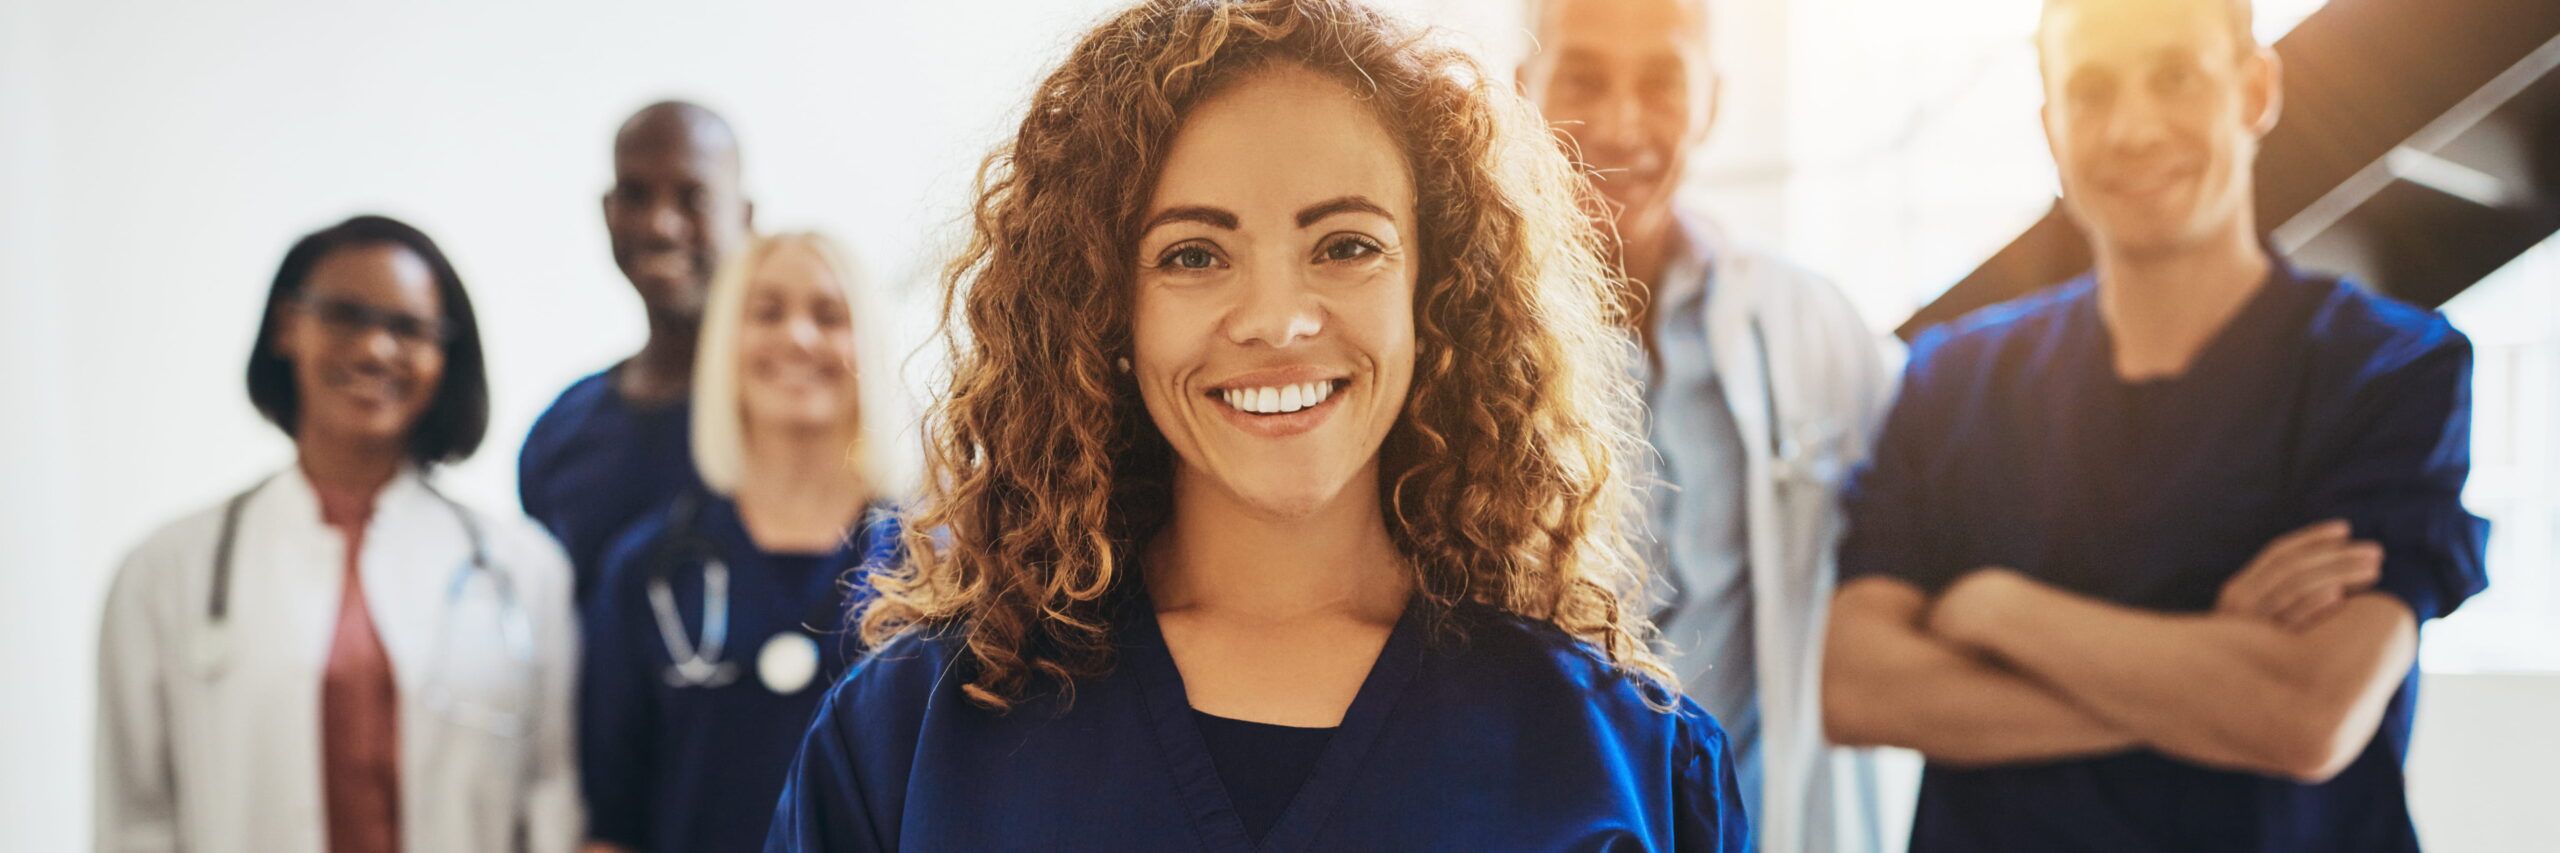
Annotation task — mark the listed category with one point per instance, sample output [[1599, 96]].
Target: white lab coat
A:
[[1787, 345], [209, 735]]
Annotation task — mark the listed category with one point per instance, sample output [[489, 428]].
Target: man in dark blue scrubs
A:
[[614, 444], [2140, 561]]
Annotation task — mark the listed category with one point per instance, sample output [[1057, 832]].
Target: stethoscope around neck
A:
[[1792, 466], [789, 659], [513, 629]]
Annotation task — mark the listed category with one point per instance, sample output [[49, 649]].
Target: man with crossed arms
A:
[[2140, 562]]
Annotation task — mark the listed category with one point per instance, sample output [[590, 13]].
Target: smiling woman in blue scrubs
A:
[[719, 620], [1276, 499]]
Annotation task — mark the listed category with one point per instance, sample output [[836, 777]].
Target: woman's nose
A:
[[1278, 308]]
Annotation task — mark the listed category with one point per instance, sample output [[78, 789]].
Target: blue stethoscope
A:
[[513, 629], [789, 659]]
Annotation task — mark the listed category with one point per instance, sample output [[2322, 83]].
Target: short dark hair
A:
[[458, 417], [2237, 13]]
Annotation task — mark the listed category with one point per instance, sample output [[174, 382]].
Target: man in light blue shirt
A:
[[1762, 388], [1695, 512]]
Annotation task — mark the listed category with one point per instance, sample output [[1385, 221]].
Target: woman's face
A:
[[366, 339], [1274, 306], [796, 346]]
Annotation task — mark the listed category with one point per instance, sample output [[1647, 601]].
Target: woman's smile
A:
[[1278, 402]]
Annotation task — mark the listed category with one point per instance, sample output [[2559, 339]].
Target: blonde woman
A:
[[719, 621], [1275, 502]]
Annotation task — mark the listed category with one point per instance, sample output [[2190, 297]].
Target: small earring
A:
[[1122, 363]]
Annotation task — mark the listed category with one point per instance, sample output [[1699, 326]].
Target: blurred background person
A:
[[613, 445], [2141, 560], [1763, 386], [1284, 473], [721, 616], [341, 658]]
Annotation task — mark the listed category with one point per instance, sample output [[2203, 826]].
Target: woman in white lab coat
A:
[[341, 658]]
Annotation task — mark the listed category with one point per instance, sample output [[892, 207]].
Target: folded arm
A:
[[1887, 681], [2220, 689]]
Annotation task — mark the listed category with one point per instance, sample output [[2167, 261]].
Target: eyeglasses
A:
[[350, 319]]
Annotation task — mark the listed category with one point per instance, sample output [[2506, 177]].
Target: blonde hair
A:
[[880, 457], [1505, 479]]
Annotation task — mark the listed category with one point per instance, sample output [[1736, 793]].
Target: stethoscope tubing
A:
[[694, 664], [515, 633]]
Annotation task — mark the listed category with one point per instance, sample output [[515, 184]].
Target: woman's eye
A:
[[1350, 249], [1192, 258]]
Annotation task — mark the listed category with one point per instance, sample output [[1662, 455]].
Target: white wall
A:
[[45, 597], [2484, 763]]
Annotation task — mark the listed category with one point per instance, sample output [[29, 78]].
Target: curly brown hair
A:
[[1505, 476]]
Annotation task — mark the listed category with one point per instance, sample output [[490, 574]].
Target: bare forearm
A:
[[2220, 690], [1887, 682]]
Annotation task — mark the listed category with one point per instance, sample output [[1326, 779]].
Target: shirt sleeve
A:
[[2397, 471], [135, 807], [822, 806], [530, 473], [1889, 533], [617, 707], [1709, 813]]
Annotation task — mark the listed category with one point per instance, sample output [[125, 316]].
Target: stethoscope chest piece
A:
[[788, 662]]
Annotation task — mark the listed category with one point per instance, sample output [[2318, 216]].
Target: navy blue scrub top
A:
[[1515, 738], [698, 768], [595, 462], [2014, 443]]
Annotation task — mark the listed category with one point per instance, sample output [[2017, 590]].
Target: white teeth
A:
[[1280, 399]]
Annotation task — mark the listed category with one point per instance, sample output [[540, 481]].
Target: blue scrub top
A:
[[697, 768], [1515, 738], [2014, 443], [594, 462]]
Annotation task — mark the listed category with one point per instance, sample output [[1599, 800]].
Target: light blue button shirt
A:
[[1694, 509]]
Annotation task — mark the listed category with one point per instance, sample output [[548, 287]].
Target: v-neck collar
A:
[[2245, 327], [1195, 775], [819, 600]]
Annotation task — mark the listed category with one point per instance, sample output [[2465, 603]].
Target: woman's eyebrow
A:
[[1315, 213], [1209, 216]]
